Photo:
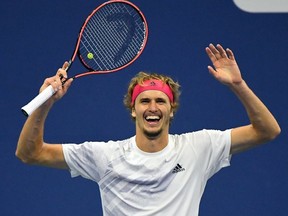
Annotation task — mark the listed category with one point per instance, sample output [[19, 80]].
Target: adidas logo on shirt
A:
[[178, 168]]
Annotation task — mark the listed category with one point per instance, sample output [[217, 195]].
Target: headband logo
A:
[[152, 83]]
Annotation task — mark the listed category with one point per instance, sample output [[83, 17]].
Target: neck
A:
[[151, 144]]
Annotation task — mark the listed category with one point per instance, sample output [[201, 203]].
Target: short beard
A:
[[152, 135]]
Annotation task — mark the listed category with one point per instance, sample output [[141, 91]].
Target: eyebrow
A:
[[156, 99]]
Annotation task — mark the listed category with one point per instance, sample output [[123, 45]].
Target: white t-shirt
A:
[[169, 182]]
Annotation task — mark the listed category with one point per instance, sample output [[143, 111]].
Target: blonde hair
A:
[[142, 77]]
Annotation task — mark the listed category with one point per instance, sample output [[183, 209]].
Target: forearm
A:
[[262, 121], [263, 125], [30, 141], [31, 147]]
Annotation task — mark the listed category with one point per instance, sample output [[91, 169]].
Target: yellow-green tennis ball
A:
[[90, 56]]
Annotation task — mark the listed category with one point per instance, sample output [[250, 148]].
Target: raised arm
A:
[[31, 147], [263, 127]]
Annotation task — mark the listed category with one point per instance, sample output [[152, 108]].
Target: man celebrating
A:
[[153, 172]]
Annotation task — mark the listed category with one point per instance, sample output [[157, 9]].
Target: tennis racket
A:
[[112, 37]]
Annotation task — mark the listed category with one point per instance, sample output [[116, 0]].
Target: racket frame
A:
[[76, 51]]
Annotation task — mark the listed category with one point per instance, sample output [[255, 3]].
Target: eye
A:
[[144, 101], [160, 101]]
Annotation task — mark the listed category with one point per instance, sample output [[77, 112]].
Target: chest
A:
[[149, 175]]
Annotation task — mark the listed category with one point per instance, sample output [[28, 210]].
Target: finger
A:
[[67, 83], [55, 85], [65, 65], [57, 82], [212, 71], [215, 51], [50, 81], [210, 54], [230, 54], [221, 51], [61, 72]]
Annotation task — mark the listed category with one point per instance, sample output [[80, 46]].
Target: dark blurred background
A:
[[38, 36]]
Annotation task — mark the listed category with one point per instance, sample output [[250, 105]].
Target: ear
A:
[[133, 113], [171, 114]]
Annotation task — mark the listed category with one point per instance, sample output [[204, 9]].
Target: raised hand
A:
[[225, 68]]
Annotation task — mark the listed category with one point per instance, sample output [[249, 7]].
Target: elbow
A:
[[28, 152], [276, 132], [24, 158], [21, 157], [272, 134]]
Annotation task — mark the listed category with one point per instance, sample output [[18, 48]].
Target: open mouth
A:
[[152, 119]]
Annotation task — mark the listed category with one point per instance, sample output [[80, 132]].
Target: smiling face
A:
[[152, 112]]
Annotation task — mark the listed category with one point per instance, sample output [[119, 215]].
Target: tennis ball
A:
[[90, 55]]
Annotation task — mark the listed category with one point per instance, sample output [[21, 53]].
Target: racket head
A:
[[113, 36]]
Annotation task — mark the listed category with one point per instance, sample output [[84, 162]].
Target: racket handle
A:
[[38, 101]]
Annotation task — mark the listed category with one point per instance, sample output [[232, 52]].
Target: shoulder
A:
[[204, 134], [204, 137], [92, 147]]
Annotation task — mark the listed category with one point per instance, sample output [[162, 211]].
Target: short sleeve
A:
[[220, 151], [211, 149], [88, 159]]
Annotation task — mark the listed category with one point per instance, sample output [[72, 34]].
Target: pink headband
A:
[[152, 84]]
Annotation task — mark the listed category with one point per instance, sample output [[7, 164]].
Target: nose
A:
[[153, 106]]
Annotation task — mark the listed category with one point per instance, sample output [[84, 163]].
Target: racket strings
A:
[[97, 45], [117, 37], [114, 35]]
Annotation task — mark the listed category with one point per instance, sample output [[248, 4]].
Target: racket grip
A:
[[41, 98]]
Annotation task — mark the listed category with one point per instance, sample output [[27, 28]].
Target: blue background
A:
[[38, 36]]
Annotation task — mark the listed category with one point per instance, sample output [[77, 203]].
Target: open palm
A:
[[225, 68]]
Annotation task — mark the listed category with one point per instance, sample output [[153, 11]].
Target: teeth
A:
[[152, 118]]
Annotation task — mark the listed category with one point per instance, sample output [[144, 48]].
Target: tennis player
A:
[[153, 172]]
